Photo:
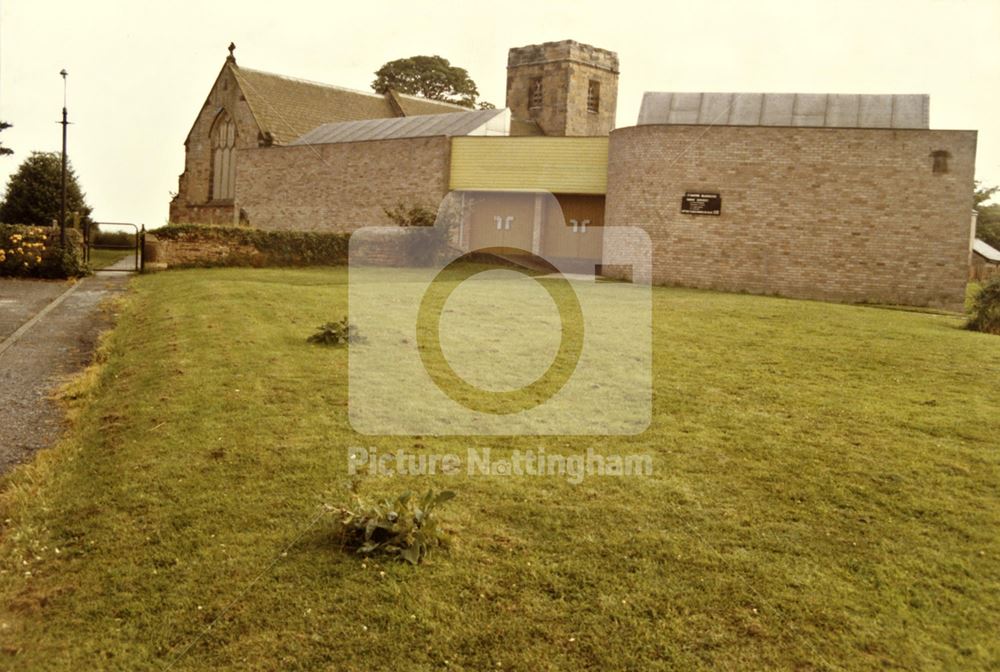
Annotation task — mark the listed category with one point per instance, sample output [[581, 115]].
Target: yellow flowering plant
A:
[[27, 251]]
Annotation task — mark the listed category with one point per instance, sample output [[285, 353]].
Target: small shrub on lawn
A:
[[986, 309], [341, 332], [404, 528]]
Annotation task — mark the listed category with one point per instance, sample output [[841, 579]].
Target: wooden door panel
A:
[[557, 239], [483, 232], [519, 221], [502, 220], [577, 232]]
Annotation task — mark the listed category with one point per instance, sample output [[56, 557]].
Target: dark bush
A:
[[272, 248], [414, 215], [33, 192], [34, 252], [430, 239], [986, 309]]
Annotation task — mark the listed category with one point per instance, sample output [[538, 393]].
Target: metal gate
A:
[[113, 242]]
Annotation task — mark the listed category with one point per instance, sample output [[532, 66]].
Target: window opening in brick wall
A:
[[940, 158], [535, 93], [223, 158], [593, 96]]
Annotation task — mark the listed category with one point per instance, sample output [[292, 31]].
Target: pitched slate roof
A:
[[480, 122], [986, 251], [287, 107], [786, 109]]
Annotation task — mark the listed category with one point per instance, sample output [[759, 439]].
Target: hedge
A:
[[34, 252], [986, 309], [273, 248]]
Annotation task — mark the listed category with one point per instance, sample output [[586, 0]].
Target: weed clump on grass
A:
[[404, 528], [986, 309], [340, 332]]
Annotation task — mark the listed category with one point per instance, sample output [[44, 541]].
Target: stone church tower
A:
[[567, 88]]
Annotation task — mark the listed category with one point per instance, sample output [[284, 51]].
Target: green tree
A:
[[983, 193], [33, 192], [428, 76], [988, 219], [4, 151]]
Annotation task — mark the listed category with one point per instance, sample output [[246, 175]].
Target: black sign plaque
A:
[[701, 204]]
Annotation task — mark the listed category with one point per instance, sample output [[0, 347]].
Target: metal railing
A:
[[91, 242]]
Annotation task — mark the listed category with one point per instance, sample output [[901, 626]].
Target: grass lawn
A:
[[824, 497], [100, 258]]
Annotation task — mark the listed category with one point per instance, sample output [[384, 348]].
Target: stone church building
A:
[[823, 196]]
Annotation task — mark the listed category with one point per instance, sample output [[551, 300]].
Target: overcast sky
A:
[[140, 71]]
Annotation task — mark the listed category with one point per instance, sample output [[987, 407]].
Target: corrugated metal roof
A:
[[786, 109], [986, 251], [555, 164], [287, 107], [424, 125], [414, 105]]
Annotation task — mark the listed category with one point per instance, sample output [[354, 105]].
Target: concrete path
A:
[[48, 330]]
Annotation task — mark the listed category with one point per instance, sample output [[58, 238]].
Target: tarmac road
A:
[[35, 358]]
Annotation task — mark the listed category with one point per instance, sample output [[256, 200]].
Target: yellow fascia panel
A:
[[558, 165]]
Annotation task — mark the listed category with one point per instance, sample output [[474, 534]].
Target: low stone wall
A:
[[193, 251]]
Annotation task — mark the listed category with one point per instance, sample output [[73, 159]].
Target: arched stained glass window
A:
[[223, 158]]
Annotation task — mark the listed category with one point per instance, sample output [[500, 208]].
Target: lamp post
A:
[[62, 200]]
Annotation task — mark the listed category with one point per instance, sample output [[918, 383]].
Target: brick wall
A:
[[340, 187], [817, 213]]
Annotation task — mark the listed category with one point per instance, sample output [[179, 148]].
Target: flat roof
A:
[[834, 110]]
